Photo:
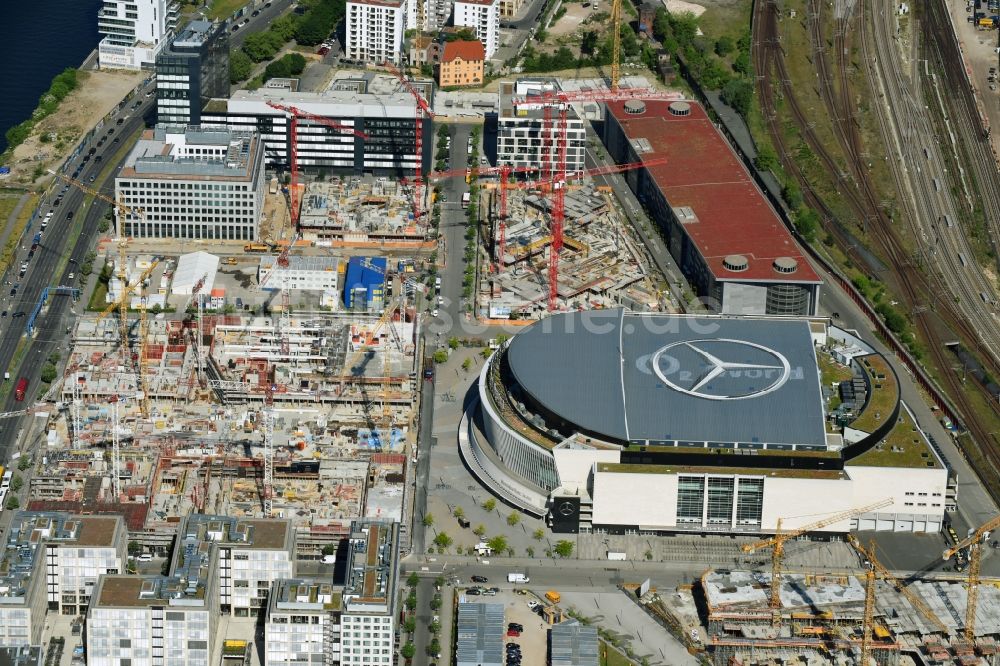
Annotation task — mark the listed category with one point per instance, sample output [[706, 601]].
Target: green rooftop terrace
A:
[[883, 396], [904, 446]]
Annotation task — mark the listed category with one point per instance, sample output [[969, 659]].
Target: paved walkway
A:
[[614, 612]]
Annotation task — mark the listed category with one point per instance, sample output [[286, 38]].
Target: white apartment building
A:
[[195, 183], [305, 273], [52, 560], [524, 139], [134, 32], [152, 621], [303, 624], [252, 555], [367, 631], [375, 28], [483, 16]]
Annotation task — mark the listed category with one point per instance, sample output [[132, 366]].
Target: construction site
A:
[[602, 263]]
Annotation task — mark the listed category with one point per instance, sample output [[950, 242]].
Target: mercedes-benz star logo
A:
[[758, 378]]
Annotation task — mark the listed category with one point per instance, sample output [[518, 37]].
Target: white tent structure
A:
[[190, 269]]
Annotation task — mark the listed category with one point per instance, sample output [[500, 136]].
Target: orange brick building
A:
[[462, 64]]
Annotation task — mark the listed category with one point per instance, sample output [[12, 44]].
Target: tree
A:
[[564, 548], [480, 530], [462, 34], [411, 601], [766, 159], [260, 46], [459, 513], [538, 534], [498, 544], [16, 483], [296, 63], [530, 551], [13, 503], [792, 196], [453, 342], [466, 364], [329, 549], [413, 579], [48, 373], [240, 66], [435, 627], [428, 520], [442, 540], [277, 69], [436, 602], [134, 548], [408, 651], [738, 93], [589, 43], [440, 356], [724, 46], [410, 624], [513, 519], [24, 462], [490, 504]]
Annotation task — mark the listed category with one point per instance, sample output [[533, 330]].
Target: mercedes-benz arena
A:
[[624, 422]]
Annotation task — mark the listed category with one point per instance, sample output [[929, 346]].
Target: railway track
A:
[[916, 289]]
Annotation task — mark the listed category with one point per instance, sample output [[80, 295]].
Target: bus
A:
[[21, 389]]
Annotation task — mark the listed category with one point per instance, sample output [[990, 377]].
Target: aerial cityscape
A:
[[500, 333]]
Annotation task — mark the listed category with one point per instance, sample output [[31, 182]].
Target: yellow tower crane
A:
[[121, 305], [875, 567], [777, 545], [974, 542], [616, 43]]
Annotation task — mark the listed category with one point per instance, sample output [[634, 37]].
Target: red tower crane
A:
[[504, 171], [297, 114], [559, 101], [423, 109]]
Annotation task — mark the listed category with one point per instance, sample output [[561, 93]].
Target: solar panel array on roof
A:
[[479, 639]]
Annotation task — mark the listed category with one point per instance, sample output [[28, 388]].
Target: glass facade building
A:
[[191, 70]]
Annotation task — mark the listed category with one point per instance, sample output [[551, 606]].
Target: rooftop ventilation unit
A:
[[679, 109], [735, 263], [785, 265], [635, 107]]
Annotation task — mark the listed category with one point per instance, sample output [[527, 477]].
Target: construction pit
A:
[[335, 393], [602, 263], [820, 619]]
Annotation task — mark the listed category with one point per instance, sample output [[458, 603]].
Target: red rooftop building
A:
[[719, 227]]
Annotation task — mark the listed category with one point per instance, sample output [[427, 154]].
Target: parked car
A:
[[480, 579]]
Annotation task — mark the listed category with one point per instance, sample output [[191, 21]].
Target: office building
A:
[[719, 227], [52, 561], [364, 284], [375, 105], [369, 598], [134, 32], [220, 565], [302, 624], [374, 30], [303, 273], [192, 69], [252, 555], [462, 64], [483, 16], [523, 139], [193, 183], [710, 424]]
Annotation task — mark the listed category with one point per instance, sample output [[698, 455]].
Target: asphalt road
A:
[[258, 23], [52, 321]]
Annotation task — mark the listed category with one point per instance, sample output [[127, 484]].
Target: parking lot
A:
[[534, 639]]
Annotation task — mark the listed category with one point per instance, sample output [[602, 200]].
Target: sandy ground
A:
[[680, 7], [571, 20], [98, 93]]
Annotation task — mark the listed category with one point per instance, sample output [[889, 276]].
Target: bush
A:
[[296, 63], [277, 70], [48, 373], [738, 93], [564, 548], [724, 46], [440, 356]]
